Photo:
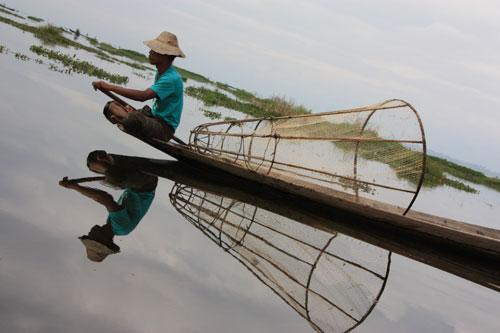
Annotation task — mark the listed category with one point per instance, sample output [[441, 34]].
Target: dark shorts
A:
[[142, 123]]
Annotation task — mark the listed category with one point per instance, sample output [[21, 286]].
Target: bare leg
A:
[[118, 112]]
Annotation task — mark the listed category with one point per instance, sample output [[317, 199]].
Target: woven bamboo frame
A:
[[209, 139], [203, 211]]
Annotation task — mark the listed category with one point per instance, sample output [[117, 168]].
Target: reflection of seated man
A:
[[123, 215]]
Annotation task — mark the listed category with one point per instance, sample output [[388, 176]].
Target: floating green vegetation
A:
[[11, 13], [134, 65], [254, 106], [275, 104], [142, 76], [51, 35], [4, 6], [211, 114], [217, 98], [239, 93], [230, 119], [108, 48], [280, 105], [191, 75], [36, 19], [400, 158], [78, 66], [133, 55], [21, 56], [439, 167]]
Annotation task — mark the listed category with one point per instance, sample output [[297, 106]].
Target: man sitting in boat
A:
[[123, 215], [162, 120]]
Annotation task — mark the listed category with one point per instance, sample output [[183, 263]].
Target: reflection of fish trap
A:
[[333, 281], [377, 151]]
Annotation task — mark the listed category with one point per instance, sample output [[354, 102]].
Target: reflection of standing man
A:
[[167, 90], [123, 215]]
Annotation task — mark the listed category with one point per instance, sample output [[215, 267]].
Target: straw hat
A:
[[96, 251], [165, 43]]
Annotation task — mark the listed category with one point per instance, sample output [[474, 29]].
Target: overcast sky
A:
[[439, 55]]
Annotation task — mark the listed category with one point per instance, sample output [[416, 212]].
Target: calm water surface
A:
[[168, 276]]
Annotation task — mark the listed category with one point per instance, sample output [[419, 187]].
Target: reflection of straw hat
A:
[[165, 43], [97, 251]]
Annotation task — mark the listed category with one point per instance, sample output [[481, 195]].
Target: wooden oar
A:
[[124, 104]]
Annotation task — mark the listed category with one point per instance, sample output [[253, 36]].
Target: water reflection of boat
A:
[[331, 280], [471, 265]]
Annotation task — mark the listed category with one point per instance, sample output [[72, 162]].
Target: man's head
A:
[[164, 48], [98, 161], [157, 58]]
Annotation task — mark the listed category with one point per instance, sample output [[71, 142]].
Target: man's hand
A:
[[129, 109], [68, 183], [101, 85]]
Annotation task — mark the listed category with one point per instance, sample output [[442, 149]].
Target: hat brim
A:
[[164, 49], [96, 251]]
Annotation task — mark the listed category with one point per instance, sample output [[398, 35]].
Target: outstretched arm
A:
[[134, 94], [102, 197]]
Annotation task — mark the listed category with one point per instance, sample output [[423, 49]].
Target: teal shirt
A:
[[135, 206], [169, 91]]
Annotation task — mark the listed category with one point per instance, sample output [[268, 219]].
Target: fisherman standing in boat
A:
[[162, 120]]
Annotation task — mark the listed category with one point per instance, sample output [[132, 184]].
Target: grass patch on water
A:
[[36, 19], [437, 166], [400, 158], [276, 104], [10, 12], [213, 115], [191, 75], [118, 51], [217, 98], [53, 35], [78, 66], [4, 6], [254, 106]]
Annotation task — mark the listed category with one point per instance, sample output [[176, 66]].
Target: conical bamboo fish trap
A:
[[376, 152], [331, 280]]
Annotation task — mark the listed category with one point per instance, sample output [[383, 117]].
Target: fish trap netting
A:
[[331, 280], [375, 152]]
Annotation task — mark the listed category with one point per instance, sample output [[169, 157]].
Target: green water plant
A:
[[21, 56], [35, 19], [2, 10], [213, 115], [78, 66], [216, 98]]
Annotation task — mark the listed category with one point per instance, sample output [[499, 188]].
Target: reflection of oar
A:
[[84, 179], [124, 104]]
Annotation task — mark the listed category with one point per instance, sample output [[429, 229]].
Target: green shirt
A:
[[135, 206], [169, 97]]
